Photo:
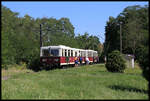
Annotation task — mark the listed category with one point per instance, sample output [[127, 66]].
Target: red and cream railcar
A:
[[59, 56], [56, 56], [82, 53], [95, 57], [89, 54]]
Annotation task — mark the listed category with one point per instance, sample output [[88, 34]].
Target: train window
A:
[[62, 52], [45, 52], [79, 53], [65, 52], [72, 53], [54, 52], [95, 54], [82, 53], [90, 54], [75, 53], [68, 52]]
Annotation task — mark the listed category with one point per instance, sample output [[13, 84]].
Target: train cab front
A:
[[49, 58]]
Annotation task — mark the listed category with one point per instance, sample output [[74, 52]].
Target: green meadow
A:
[[84, 82]]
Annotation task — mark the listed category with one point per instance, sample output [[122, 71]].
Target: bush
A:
[[142, 56], [4, 66], [115, 62], [101, 58], [34, 60]]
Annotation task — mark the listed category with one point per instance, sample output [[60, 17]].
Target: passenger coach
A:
[[60, 56]]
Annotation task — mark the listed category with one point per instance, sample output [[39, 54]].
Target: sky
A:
[[86, 16]]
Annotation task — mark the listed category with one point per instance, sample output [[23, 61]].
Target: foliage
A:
[[111, 36], [86, 41], [143, 59], [135, 36], [115, 62], [134, 28], [21, 37], [102, 57], [34, 61]]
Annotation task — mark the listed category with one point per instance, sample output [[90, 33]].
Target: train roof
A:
[[64, 47], [56, 47]]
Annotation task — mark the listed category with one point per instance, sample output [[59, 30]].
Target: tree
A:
[[134, 30], [111, 36], [115, 62], [135, 36]]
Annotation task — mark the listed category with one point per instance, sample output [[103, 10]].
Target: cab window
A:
[[54, 52], [45, 52]]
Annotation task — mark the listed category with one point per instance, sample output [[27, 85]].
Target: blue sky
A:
[[88, 16]]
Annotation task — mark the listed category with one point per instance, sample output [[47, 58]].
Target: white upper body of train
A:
[[65, 51]]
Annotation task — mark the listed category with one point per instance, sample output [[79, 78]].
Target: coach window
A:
[[68, 52], [62, 52], [95, 54], [75, 53], [79, 53], [89, 54], [82, 53], [65, 52], [71, 53]]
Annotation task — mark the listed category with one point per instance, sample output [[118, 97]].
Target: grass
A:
[[85, 82]]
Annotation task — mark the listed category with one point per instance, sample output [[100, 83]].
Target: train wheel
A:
[[62, 67], [73, 65]]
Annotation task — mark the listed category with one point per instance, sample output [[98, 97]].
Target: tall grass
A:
[[85, 82]]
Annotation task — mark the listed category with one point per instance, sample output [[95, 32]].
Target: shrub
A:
[[142, 56], [34, 60], [101, 58], [5, 66], [115, 62], [34, 63]]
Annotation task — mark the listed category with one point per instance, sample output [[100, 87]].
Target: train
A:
[[62, 56]]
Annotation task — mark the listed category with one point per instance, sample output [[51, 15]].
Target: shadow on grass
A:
[[128, 88], [133, 74], [48, 68], [38, 68]]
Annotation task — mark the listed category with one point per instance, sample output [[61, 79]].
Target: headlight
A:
[[56, 60], [43, 60]]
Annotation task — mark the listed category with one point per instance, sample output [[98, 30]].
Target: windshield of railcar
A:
[[54, 52], [45, 52], [50, 52]]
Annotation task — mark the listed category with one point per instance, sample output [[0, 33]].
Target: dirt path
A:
[[5, 77]]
